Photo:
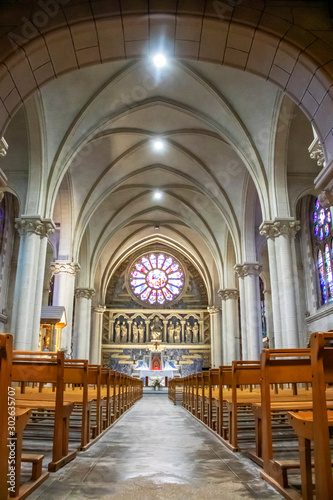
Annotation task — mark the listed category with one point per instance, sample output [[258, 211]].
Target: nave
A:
[[157, 451]]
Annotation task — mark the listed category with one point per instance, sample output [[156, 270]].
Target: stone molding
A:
[[213, 309], [99, 309], [326, 198], [229, 293], [65, 267], [84, 293], [35, 224], [3, 146], [280, 227], [316, 152], [247, 269]]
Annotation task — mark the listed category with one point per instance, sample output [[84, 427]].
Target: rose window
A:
[[157, 279]]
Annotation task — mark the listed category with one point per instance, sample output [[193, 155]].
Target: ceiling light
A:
[[156, 228], [157, 195], [158, 144], [159, 60]]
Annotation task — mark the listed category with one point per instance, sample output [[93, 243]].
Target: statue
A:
[[117, 330], [188, 332], [195, 331], [135, 332], [156, 329], [123, 333], [178, 330], [171, 331], [141, 329]]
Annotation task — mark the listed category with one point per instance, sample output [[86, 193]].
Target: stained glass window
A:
[[157, 278], [322, 240]]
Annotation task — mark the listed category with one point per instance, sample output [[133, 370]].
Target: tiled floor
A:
[[157, 451]]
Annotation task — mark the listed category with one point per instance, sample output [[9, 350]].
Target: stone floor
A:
[[157, 451]]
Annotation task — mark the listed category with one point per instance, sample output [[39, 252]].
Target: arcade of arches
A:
[[221, 161]]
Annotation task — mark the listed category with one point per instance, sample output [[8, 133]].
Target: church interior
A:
[[166, 248]]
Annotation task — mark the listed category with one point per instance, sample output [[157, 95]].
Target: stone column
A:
[[215, 335], [183, 322], [267, 229], [165, 332], [96, 337], [229, 298], [243, 325], [147, 321], [250, 271], [82, 322], [64, 283], [129, 333], [25, 322], [283, 231], [201, 331]]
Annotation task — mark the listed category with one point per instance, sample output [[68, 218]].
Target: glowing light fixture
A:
[[157, 195], [158, 144], [159, 60]]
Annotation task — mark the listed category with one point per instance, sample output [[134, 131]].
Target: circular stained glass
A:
[[156, 278], [322, 221]]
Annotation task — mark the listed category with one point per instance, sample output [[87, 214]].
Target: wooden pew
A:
[[12, 423], [47, 367], [279, 367], [315, 425]]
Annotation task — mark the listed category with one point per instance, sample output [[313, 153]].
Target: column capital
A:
[[84, 293], [99, 309], [287, 226], [316, 152], [326, 198], [213, 309], [229, 293], [34, 224], [247, 269], [65, 267]]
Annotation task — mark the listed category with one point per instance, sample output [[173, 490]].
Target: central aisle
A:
[[157, 451]]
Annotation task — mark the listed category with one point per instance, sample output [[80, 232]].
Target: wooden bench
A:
[[315, 425], [47, 368]]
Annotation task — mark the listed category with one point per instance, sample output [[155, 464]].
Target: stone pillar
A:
[[229, 298], [183, 322], [64, 283], [82, 322], [129, 333], [243, 325], [147, 321], [215, 335], [165, 325], [283, 231], [250, 271], [28, 293], [201, 331], [96, 337]]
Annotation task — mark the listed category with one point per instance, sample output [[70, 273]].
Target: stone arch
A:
[[291, 56]]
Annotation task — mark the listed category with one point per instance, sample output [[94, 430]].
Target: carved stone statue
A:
[[156, 329], [123, 333], [117, 330], [188, 332], [178, 330], [195, 331], [171, 331], [141, 329], [135, 332]]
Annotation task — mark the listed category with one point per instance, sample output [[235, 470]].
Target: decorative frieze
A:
[[84, 293], [34, 224], [229, 293], [247, 269], [278, 227], [65, 267]]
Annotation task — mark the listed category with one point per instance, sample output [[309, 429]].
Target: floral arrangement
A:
[[157, 382]]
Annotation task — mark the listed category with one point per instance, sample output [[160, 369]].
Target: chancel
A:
[[166, 249]]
